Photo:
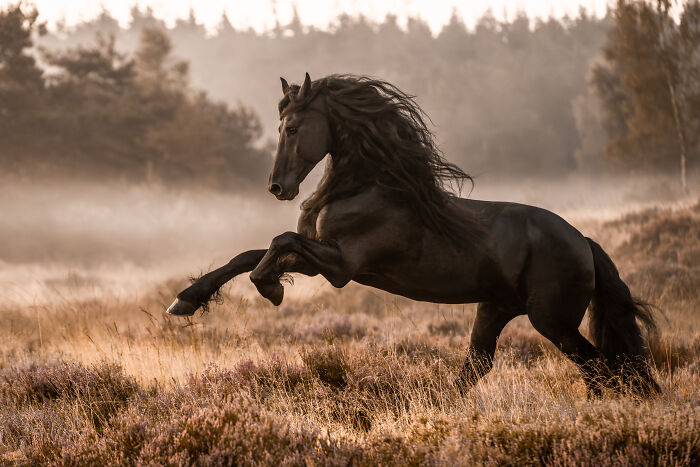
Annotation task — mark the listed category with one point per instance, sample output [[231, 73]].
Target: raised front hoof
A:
[[181, 308], [273, 292]]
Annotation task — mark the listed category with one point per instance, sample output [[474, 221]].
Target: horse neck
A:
[[343, 177]]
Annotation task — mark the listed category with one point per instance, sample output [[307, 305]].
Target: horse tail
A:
[[613, 324]]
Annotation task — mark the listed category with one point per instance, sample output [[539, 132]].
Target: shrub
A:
[[328, 364], [100, 390]]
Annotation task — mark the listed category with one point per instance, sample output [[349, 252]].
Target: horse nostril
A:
[[275, 189]]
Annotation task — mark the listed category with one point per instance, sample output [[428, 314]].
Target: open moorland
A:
[[91, 374]]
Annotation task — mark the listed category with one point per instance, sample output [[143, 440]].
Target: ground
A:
[[351, 376]]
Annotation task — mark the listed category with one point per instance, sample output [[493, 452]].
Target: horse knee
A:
[[282, 241]]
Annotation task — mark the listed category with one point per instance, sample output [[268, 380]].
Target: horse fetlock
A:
[[467, 379], [258, 277]]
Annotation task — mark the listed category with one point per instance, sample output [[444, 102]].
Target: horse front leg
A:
[[201, 290], [291, 252]]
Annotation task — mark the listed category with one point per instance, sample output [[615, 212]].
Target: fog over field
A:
[[125, 238]]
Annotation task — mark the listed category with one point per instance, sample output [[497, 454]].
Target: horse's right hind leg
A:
[[490, 321], [586, 357], [558, 321]]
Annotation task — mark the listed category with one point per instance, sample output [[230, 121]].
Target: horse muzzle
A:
[[281, 193]]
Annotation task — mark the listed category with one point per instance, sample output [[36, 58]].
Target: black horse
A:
[[382, 216]]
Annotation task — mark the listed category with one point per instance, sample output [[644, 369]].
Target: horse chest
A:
[[306, 225]]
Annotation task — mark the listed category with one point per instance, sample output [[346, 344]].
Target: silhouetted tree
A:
[[21, 80], [647, 84]]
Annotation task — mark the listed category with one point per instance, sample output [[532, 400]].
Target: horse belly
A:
[[435, 279]]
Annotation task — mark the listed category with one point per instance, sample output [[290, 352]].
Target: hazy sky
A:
[[260, 14]]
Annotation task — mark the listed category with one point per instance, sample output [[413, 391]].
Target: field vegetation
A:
[[351, 376]]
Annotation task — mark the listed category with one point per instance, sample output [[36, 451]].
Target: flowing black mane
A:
[[380, 136]]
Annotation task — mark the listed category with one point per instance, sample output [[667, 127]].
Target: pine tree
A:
[[21, 80]]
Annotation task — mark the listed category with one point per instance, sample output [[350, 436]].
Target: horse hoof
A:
[[273, 292], [276, 294], [181, 308]]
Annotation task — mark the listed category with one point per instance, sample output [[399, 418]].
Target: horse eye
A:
[[291, 130]]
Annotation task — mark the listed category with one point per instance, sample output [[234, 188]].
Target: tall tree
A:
[[645, 83], [670, 60], [21, 80]]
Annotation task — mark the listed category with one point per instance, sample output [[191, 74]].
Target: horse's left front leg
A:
[[287, 251], [203, 288]]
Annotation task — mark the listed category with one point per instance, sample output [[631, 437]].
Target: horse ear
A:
[[285, 85], [305, 88]]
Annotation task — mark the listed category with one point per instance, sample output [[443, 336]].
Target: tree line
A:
[[519, 97], [92, 111]]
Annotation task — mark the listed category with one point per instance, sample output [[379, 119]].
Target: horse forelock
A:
[[380, 136]]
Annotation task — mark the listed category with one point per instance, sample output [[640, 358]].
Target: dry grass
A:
[[350, 376]]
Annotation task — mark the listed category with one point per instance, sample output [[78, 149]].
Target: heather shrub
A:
[[206, 422], [49, 404], [392, 383], [665, 282], [328, 364], [256, 378], [337, 328], [230, 430], [662, 253], [100, 390], [602, 435], [40, 430], [670, 238], [347, 408]]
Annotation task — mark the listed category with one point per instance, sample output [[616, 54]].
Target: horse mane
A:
[[380, 137]]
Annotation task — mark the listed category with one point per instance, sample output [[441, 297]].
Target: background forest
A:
[[525, 97]]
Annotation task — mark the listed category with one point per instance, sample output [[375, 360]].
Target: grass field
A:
[[92, 375]]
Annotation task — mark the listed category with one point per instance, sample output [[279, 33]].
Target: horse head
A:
[[305, 138]]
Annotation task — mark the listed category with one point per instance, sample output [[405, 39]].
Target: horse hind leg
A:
[[490, 320], [559, 322]]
